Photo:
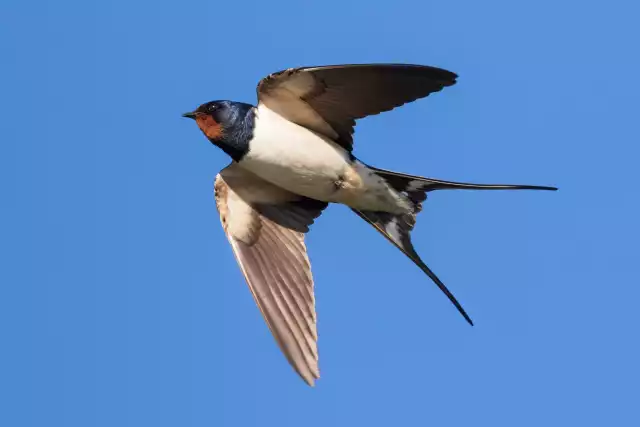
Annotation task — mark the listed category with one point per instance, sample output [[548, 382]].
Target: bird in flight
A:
[[292, 155]]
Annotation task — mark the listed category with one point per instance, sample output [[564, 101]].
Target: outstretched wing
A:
[[329, 99], [265, 226]]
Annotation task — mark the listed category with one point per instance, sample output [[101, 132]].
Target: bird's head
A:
[[227, 124], [214, 118]]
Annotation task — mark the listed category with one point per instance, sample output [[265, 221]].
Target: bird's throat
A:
[[208, 126]]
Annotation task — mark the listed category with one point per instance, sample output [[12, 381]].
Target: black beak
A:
[[190, 115]]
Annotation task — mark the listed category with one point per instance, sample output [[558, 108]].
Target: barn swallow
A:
[[292, 155]]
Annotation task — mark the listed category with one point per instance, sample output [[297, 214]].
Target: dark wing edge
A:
[[329, 99]]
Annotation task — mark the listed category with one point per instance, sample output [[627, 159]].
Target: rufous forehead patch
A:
[[211, 128]]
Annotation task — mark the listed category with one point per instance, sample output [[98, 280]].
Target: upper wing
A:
[[265, 226], [329, 99]]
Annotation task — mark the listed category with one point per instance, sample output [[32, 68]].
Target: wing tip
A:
[[311, 376]]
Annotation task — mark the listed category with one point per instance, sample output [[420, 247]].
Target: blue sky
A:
[[121, 303]]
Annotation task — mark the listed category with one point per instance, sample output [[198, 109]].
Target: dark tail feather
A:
[[405, 183], [397, 228]]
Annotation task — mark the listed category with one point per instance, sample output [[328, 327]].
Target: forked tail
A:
[[397, 228]]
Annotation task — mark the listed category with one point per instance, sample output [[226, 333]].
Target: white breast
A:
[[306, 163], [292, 156]]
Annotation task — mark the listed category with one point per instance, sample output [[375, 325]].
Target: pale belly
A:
[[305, 163]]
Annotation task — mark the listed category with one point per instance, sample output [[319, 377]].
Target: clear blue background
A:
[[121, 303]]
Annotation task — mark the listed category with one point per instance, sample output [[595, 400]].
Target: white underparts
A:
[[306, 163]]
